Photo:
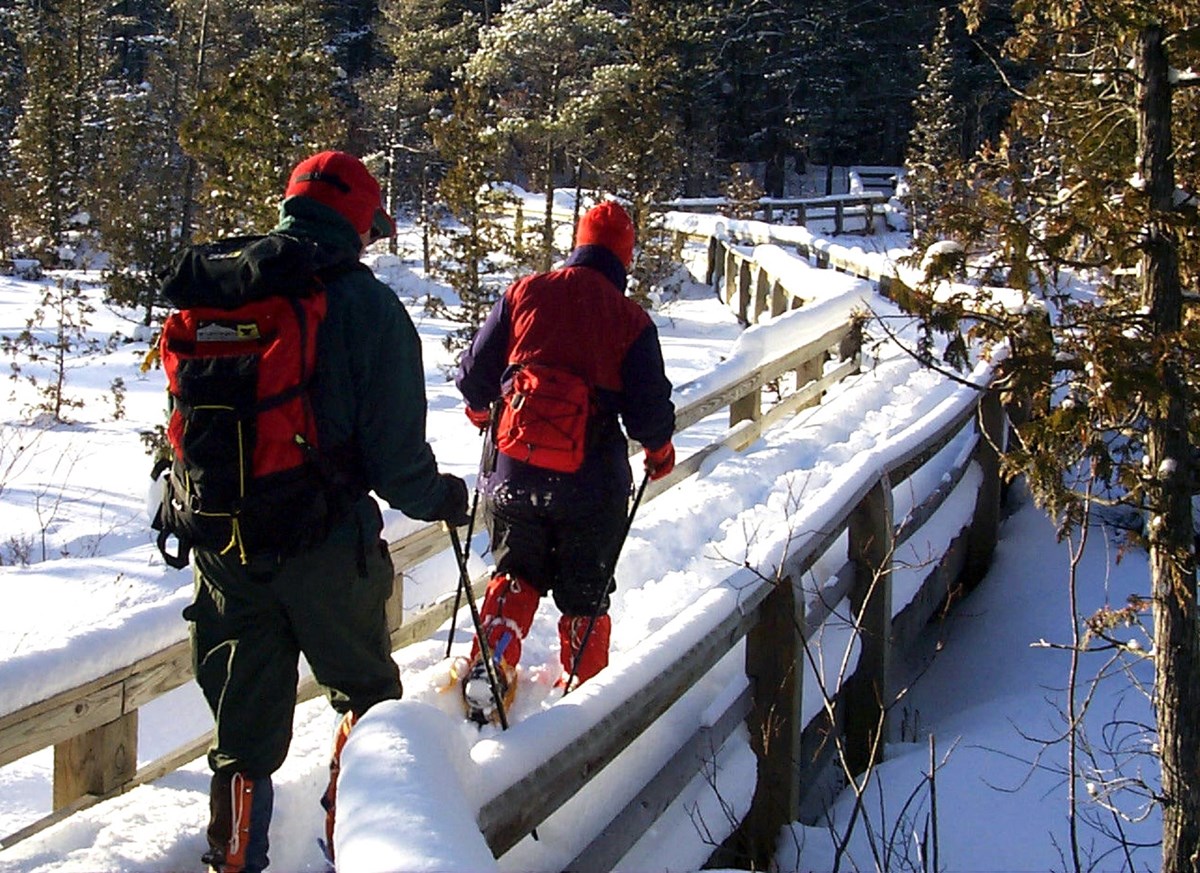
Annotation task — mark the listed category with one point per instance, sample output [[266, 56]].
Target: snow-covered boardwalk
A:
[[693, 552]]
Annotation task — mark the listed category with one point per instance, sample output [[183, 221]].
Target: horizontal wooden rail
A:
[[521, 807], [615, 840]]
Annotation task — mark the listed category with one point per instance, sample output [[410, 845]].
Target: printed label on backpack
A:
[[225, 332], [544, 418]]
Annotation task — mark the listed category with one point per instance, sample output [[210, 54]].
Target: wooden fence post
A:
[[97, 761], [745, 287], [810, 371], [865, 694], [839, 217], [985, 522], [394, 607], [747, 408], [716, 263], [778, 299], [762, 294], [730, 272], [775, 667]]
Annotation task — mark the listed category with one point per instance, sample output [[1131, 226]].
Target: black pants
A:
[[568, 551], [251, 623]]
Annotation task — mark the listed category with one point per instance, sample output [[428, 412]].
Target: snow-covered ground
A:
[[85, 590]]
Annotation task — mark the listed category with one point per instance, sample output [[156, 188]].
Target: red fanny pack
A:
[[544, 417]]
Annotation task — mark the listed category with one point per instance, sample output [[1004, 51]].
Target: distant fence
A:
[[848, 213]]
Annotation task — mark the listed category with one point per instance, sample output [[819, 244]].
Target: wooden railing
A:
[[93, 726], [777, 618]]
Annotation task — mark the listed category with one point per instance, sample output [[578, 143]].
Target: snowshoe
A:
[[479, 704]]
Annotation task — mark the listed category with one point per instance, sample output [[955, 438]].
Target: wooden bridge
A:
[[93, 727]]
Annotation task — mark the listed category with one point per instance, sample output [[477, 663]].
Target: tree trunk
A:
[[548, 215], [188, 218], [578, 196], [1172, 564]]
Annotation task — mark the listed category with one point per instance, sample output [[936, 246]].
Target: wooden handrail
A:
[[518, 809]]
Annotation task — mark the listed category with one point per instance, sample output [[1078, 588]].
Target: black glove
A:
[[453, 508]]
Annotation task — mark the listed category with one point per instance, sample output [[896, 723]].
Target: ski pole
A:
[[462, 576], [484, 648], [587, 634], [470, 526]]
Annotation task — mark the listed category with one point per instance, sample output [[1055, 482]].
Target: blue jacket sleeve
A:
[[645, 406], [483, 363]]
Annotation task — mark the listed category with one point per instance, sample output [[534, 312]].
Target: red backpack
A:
[[544, 417], [239, 354]]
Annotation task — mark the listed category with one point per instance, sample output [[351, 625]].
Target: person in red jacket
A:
[[553, 530]]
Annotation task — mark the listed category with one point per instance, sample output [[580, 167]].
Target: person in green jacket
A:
[[252, 618]]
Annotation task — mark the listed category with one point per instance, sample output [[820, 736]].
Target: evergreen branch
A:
[[922, 360]]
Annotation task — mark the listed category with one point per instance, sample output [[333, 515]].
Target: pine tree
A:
[[248, 131], [743, 193], [636, 144], [57, 134], [137, 198], [1091, 181], [426, 41], [353, 38], [635, 138], [546, 100], [11, 76], [936, 141], [756, 59], [204, 49], [698, 101], [468, 253]]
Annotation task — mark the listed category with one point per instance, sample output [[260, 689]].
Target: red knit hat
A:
[[607, 224], [343, 182]]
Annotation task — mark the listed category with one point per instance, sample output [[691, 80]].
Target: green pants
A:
[[250, 623]]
